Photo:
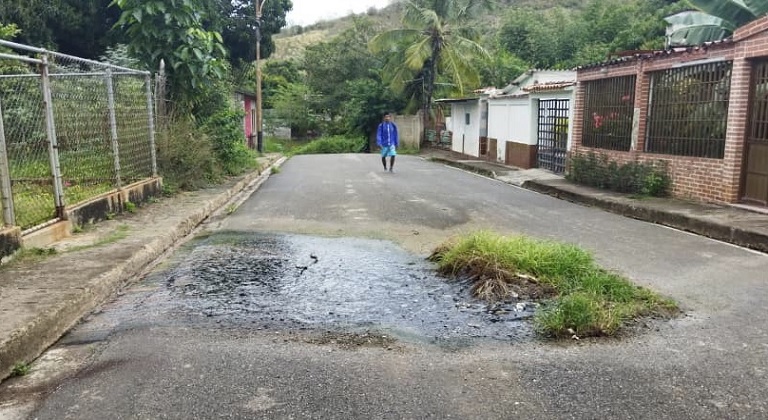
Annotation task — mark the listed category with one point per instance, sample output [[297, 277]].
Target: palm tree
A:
[[434, 42], [714, 20]]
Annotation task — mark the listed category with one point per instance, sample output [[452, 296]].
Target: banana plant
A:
[[712, 20]]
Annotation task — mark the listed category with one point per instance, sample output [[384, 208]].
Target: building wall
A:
[[466, 137], [248, 122], [509, 122], [716, 180], [409, 128]]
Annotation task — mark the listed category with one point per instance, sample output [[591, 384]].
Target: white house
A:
[[529, 120], [468, 123]]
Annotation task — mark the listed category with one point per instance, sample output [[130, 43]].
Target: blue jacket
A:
[[386, 135]]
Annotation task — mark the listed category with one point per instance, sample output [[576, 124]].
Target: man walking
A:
[[388, 140]]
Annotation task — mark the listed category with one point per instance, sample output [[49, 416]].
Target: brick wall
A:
[[717, 180], [692, 178]]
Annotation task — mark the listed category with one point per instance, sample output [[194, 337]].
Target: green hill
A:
[[291, 42]]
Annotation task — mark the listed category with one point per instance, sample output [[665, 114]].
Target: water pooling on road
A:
[[291, 281]]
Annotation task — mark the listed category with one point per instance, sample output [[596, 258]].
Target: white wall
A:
[[509, 119], [466, 138]]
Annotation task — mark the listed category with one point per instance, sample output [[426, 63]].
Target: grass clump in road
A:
[[579, 297]]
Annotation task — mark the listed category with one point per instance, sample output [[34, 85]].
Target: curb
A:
[[464, 166], [31, 340], [710, 229]]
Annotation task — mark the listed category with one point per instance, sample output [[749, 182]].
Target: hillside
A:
[[292, 41]]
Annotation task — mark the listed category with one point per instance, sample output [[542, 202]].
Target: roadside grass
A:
[[331, 145], [33, 198], [408, 151], [284, 146], [579, 298], [28, 256], [120, 233]]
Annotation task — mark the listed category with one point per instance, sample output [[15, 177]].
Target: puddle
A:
[[311, 283]]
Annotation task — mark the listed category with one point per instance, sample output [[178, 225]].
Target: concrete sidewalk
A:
[[732, 224], [42, 297]]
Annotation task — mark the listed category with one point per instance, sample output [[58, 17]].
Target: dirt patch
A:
[[352, 341], [510, 288]]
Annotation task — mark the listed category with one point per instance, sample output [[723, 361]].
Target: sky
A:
[[306, 12]]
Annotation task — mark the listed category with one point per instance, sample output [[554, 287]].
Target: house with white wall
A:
[[529, 120], [468, 122]]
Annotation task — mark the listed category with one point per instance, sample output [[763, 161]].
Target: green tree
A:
[[236, 21], [77, 27], [277, 75], [368, 99], [172, 30], [502, 68], [293, 105], [565, 38], [712, 20], [330, 65], [434, 41]]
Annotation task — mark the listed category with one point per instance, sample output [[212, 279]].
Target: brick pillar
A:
[[642, 105], [738, 124], [579, 104]]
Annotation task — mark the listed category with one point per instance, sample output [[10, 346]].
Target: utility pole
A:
[[259, 117]]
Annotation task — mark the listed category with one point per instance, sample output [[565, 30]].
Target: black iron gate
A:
[[553, 134]]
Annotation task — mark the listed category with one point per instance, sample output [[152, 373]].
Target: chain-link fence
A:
[[70, 129]]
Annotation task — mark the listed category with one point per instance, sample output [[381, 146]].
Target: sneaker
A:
[[391, 170]]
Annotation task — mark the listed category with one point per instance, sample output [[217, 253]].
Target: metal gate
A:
[[553, 134], [755, 185]]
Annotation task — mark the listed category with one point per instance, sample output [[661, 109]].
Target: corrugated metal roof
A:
[[454, 100], [545, 87], [655, 54]]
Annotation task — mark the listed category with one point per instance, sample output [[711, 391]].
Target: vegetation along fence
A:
[[70, 129]]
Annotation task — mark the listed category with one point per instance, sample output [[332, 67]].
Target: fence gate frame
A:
[[754, 183], [552, 134]]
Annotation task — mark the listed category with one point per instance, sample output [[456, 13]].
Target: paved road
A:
[[144, 358]]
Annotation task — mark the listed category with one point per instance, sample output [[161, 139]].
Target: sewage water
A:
[[305, 282]]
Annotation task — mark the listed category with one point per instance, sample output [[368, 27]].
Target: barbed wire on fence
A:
[[70, 129]]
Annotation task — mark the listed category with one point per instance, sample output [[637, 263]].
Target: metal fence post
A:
[[151, 116], [5, 178], [113, 128], [53, 146]]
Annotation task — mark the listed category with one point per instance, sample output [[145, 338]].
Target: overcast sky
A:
[[306, 12]]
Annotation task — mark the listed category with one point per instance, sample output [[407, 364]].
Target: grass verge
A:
[[330, 145], [580, 298], [120, 233]]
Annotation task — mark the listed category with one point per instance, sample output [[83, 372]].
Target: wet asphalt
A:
[[314, 300]]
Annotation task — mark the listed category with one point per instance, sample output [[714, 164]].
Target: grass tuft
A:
[[21, 369], [580, 297]]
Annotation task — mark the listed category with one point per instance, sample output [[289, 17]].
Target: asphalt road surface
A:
[[313, 301]]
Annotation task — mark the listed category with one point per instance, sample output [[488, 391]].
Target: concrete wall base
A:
[[92, 211]]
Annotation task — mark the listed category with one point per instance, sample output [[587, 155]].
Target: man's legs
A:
[[384, 162], [391, 164]]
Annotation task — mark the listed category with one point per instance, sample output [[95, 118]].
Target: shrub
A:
[[633, 177], [185, 156], [329, 145], [225, 131]]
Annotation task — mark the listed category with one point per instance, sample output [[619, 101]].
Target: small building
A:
[[703, 111], [468, 123], [247, 101], [529, 120]]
